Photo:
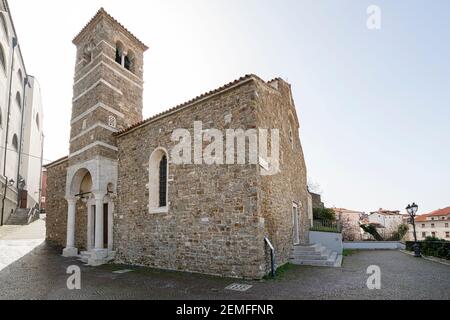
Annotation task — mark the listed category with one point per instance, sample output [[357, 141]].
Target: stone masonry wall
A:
[[279, 192], [213, 225], [56, 204], [56, 208]]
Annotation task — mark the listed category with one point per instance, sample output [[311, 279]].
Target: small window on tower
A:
[[119, 52], [129, 61], [15, 142], [112, 122], [88, 52]]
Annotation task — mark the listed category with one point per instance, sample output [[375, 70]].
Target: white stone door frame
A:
[[295, 223]]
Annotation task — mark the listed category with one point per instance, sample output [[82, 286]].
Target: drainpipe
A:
[[25, 83], [41, 173], [14, 44], [272, 256]]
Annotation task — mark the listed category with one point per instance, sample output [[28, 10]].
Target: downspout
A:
[[272, 256], [40, 176], [25, 83], [14, 44]]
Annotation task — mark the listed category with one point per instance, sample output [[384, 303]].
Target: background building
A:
[[435, 224], [387, 221], [349, 221], [21, 135]]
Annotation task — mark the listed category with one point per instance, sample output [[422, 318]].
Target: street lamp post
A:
[[412, 211]]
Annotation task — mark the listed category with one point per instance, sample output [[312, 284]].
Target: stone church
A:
[[120, 196]]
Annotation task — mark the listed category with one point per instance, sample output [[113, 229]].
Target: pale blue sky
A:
[[374, 106]]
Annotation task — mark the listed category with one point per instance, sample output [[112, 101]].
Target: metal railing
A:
[[326, 226]]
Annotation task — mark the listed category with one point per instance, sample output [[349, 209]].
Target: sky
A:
[[373, 105]]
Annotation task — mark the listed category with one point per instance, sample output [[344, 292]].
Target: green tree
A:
[[324, 214], [402, 231], [370, 229]]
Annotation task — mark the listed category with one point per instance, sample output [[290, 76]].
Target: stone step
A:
[[308, 249], [338, 262], [21, 218], [320, 257], [314, 263], [333, 256], [299, 257]]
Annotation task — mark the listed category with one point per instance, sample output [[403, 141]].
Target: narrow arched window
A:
[[129, 62], [163, 182], [37, 120], [158, 181], [2, 58], [20, 75], [291, 137], [15, 142], [1, 120], [119, 52], [19, 100]]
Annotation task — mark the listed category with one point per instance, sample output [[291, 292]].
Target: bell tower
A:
[[108, 87], [107, 97]]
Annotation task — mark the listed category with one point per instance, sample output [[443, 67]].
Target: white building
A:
[[21, 135], [435, 224], [350, 223], [387, 221]]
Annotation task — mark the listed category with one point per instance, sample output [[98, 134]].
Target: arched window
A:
[[20, 75], [163, 182], [2, 58], [4, 25], [15, 142], [88, 51], [1, 120], [19, 100], [291, 137], [37, 120], [129, 61], [119, 52], [292, 128], [158, 181]]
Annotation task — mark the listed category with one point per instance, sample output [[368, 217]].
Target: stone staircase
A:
[[22, 217], [315, 255]]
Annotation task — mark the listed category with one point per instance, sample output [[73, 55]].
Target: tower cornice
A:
[[102, 14]]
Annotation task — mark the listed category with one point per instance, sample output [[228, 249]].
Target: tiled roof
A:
[[437, 213], [243, 79], [342, 210], [51, 164], [387, 212], [102, 12]]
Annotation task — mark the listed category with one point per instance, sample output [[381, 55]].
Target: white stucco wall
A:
[[26, 132], [32, 142]]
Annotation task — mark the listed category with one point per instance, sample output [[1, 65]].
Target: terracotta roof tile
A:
[[48, 165], [437, 213], [190, 102]]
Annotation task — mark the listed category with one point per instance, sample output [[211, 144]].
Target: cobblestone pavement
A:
[[41, 274], [18, 241]]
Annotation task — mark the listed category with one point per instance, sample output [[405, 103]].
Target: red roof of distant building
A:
[[341, 210], [437, 213], [387, 212]]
